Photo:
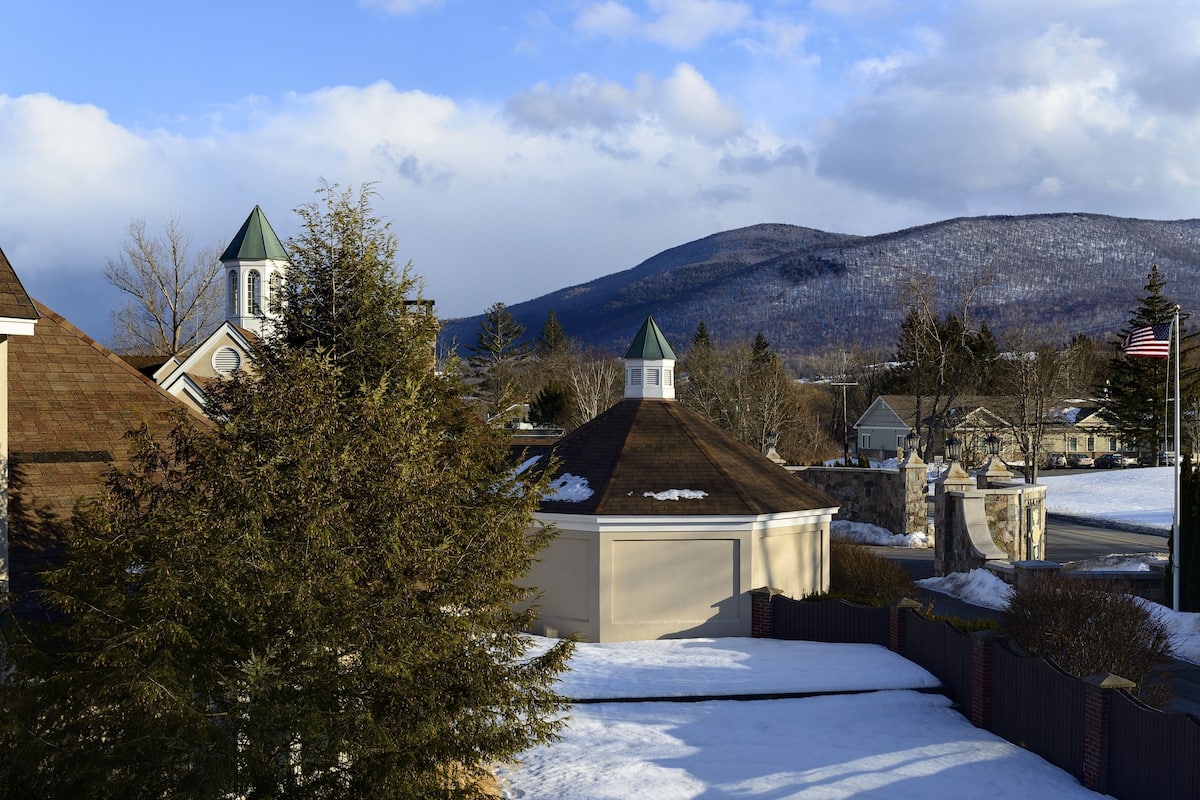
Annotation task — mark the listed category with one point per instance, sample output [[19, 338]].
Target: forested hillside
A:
[[806, 289]]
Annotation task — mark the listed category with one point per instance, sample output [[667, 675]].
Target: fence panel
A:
[[1039, 707], [828, 621], [944, 651], [1152, 754]]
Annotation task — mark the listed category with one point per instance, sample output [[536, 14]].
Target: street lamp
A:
[[954, 447], [993, 444], [911, 441]]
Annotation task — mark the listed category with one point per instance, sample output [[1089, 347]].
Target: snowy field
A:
[[890, 741]]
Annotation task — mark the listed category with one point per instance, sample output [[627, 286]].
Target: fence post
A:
[[981, 676], [762, 617], [1097, 708], [897, 616]]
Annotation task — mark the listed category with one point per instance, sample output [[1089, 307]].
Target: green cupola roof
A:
[[255, 241], [650, 344]]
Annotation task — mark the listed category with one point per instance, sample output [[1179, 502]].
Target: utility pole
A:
[[845, 421]]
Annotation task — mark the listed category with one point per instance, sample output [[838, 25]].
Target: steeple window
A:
[[254, 293], [233, 293]]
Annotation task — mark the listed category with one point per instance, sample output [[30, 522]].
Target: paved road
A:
[[1074, 541]]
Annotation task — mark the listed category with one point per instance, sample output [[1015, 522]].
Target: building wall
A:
[[654, 578]]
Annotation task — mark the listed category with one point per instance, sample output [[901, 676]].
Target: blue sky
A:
[[519, 147]]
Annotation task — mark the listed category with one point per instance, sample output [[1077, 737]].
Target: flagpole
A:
[[1178, 459]]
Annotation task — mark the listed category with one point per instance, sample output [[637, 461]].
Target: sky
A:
[[521, 147]]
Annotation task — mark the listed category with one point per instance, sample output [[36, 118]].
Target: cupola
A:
[[650, 364], [255, 268]]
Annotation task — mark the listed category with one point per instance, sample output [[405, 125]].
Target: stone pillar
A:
[[915, 475], [1027, 573], [996, 472], [898, 613], [1097, 710], [955, 480]]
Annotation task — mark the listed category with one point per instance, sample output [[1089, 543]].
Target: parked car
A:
[[1056, 460], [1166, 458], [1111, 461], [1130, 459], [1077, 460]]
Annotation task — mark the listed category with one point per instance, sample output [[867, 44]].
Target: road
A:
[[1075, 541]]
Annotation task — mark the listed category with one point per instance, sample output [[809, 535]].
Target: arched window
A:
[[275, 296], [233, 293], [254, 292]]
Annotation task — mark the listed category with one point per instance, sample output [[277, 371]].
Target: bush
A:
[[855, 573], [1092, 628]]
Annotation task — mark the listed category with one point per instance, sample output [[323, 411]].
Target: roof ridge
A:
[[685, 423]]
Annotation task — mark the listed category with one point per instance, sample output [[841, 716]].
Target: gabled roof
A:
[[650, 344], [642, 446], [977, 410], [255, 241], [70, 403], [15, 303]]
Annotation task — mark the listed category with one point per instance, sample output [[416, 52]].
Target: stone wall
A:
[[892, 499]]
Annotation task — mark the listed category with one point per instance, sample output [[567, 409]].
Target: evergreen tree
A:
[[1189, 539], [315, 599], [344, 295], [552, 342], [1138, 387], [497, 355], [552, 405], [701, 338]]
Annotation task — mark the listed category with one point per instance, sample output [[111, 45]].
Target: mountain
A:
[[806, 289]]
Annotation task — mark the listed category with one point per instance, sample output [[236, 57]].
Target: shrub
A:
[[1091, 628], [858, 574]]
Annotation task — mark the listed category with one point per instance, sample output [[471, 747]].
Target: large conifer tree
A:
[[314, 600], [1138, 388]]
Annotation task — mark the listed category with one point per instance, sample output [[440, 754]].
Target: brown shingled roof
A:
[[70, 403], [14, 301], [644, 445]]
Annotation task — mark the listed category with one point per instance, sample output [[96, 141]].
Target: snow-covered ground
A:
[[893, 742]]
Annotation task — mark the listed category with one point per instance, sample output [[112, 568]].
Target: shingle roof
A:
[[70, 403], [14, 301], [649, 343], [647, 445], [255, 241]]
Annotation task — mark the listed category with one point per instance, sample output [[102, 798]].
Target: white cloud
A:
[[684, 103], [679, 24]]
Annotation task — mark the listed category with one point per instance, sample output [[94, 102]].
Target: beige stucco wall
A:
[[607, 580]]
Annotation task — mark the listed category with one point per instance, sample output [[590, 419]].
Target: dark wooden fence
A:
[[1103, 736]]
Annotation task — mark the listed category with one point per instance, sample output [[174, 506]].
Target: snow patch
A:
[[978, 587], [865, 533], [568, 488], [677, 494]]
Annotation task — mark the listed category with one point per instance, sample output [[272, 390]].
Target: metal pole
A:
[[1178, 459], [845, 422]]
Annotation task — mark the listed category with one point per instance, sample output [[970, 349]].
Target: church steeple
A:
[[650, 364], [255, 267]]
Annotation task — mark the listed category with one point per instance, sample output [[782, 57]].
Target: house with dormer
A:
[[666, 522]]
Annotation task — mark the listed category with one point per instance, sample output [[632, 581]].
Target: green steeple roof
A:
[[650, 343], [255, 241]]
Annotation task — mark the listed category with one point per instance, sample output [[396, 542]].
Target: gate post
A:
[[1097, 709]]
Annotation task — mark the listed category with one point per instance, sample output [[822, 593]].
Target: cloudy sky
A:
[[520, 146]]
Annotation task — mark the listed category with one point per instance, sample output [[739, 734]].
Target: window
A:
[[1091, 443], [275, 296], [864, 441], [1072, 443], [668, 376], [901, 442], [635, 376], [652, 376], [254, 292], [233, 294], [1112, 444]]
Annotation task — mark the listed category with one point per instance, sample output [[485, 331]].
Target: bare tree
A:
[[174, 298], [1035, 379], [596, 378]]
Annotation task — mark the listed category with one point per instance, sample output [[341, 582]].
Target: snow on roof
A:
[[568, 488], [677, 494]]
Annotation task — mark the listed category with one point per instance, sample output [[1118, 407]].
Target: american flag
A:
[[1152, 341]]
